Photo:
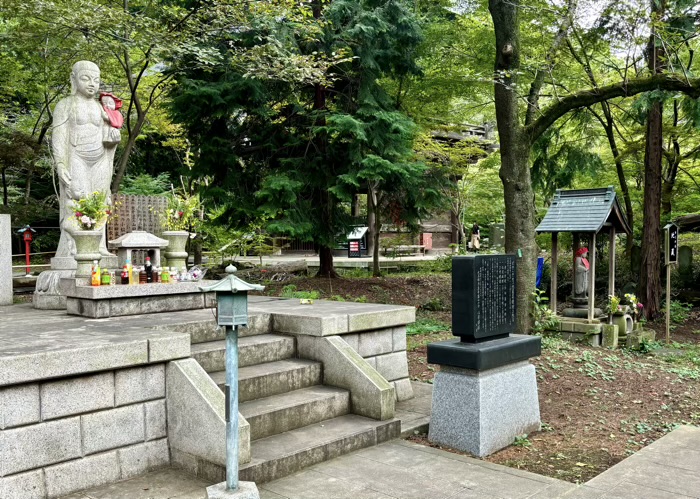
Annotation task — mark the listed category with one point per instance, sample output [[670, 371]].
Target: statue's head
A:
[[85, 79], [582, 252]]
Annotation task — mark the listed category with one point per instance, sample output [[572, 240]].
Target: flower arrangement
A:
[[613, 304], [635, 305], [91, 212], [182, 213]]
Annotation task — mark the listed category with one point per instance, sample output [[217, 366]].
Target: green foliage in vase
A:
[[91, 212]]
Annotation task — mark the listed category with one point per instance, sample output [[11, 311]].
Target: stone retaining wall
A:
[[57, 437], [385, 350]]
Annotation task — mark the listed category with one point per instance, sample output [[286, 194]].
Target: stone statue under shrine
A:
[[85, 135], [581, 268]]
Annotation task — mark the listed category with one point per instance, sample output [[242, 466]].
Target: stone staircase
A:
[[295, 420]]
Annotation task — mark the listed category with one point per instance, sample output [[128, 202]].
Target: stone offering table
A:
[[118, 300]]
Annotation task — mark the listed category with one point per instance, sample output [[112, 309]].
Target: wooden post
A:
[[591, 278], [555, 265], [611, 267]]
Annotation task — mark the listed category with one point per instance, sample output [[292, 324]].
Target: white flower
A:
[[85, 220]]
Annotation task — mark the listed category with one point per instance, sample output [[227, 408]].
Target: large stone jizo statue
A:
[[83, 146], [84, 138]]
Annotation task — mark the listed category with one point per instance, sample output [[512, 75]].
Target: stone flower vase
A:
[[87, 250], [176, 254]]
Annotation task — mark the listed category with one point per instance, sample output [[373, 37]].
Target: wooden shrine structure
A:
[[588, 213]]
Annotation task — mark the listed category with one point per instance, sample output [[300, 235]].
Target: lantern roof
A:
[[231, 284], [584, 210]]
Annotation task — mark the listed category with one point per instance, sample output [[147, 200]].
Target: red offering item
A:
[[111, 104]]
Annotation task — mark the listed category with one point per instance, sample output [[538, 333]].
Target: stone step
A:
[[272, 378], [252, 350], [286, 453], [288, 411], [204, 331]]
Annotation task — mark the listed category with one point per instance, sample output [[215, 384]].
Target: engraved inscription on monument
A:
[[483, 297]]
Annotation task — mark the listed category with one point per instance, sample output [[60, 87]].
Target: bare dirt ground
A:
[[597, 405]]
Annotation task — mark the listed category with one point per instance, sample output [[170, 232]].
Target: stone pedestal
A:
[[481, 412], [47, 294], [581, 313], [245, 490], [5, 260]]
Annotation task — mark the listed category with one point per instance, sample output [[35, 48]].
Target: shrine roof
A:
[[138, 239], [584, 210]]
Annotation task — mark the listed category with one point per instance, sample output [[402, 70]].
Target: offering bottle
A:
[[95, 274], [148, 268]]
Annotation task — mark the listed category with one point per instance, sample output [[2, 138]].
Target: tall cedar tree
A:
[[346, 136]]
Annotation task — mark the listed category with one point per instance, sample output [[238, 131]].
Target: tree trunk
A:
[[650, 275], [666, 196], [373, 199], [124, 158], [649, 278], [515, 154], [28, 187], [668, 178], [4, 188], [610, 134], [325, 257], [372, 226]]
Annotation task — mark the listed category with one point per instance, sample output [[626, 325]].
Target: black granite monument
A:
[[484, 316]]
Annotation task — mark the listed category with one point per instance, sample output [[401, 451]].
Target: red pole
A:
[[28, 258]]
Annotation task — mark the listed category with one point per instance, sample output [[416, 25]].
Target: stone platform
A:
[[119, 300], [83, 400]]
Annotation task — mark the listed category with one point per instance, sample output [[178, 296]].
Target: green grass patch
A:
[[427, 326], [290, 291]]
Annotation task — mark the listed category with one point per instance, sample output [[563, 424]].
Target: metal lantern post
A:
[[231, 312]]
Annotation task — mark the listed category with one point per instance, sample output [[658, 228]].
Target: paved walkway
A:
[[667, 469]]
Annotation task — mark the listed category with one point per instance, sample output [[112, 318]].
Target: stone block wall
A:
[[57, 437], [385, 350]]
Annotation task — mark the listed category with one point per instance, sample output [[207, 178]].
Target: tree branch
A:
[[536, 85], [588, 97]]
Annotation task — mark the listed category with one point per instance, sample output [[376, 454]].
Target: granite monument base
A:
[[245, 490], [481, 412]]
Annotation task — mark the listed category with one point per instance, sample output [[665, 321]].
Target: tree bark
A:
[[374, 202], [4, 187], [515, 153], [124, 158], [650, 278], [325, 269], [673, 159], [372, 226]]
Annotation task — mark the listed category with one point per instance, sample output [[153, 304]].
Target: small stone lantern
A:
[[231, 312]]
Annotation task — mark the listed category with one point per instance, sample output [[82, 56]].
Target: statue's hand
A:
[[63, 175]]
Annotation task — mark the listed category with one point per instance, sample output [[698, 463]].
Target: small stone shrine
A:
[[486, 391], [139, 241]]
